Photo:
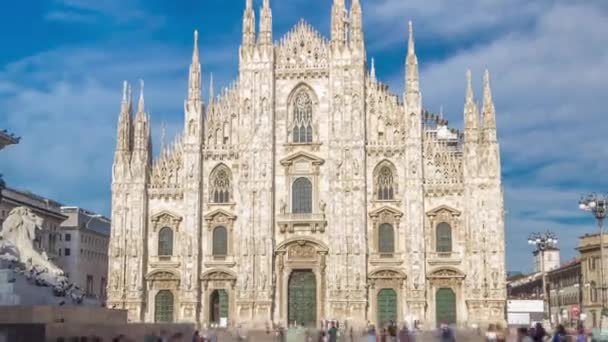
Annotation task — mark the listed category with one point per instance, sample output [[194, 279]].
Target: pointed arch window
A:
[[165, 242], [385, 182], [220, 188], [443, 238], [386, 239], [301, 196], [302, 118], [220, 242]]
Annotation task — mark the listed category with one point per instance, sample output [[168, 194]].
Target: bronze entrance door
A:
[[219, 306], [302, 292], [445, 306], [387, 307]]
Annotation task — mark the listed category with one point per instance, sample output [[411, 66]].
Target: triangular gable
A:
[[302, 155], [221, 212], [443, 208], [390, 210]]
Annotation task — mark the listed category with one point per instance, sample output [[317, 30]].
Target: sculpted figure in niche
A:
[[283, 207], [322, 206]]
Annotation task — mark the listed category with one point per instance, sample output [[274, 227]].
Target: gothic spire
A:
[[163, 137], [471, 117], [249, 25], [489, 113], [265, 38], [372, 73], [338, 23], [194, 79], [141, 105], [211, 89], [142, 129], [412, 80], [356, 22], [123, 143]]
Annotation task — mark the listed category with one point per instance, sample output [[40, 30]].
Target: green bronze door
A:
[[302, 298], [445, 306], [387, 307]]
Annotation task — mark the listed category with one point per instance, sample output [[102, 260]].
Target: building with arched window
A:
[[308, 190]]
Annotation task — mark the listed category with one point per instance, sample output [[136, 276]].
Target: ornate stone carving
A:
[[302, 48], [165, 219], [301, 251], [19, 231]]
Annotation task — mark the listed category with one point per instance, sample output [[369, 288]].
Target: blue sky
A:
[[63, 62]]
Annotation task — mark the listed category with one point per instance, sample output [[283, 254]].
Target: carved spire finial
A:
[[471, 117], [412, 75], [163, 137], [373, 70], [211, 89], [489, 114], [411, 45], [140, 106]]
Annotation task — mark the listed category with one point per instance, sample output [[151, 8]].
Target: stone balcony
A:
[[444, 258], [301, 223]]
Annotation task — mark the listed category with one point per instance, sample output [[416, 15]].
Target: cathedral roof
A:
[[302, 47]]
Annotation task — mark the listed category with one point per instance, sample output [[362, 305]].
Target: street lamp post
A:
[[542, 242], [597, 206]]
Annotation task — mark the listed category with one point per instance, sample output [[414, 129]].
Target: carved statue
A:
[[322, 206], [283, 207], [134, 278], [18, 235]]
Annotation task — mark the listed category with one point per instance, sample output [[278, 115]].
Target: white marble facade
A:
[[308, 163]]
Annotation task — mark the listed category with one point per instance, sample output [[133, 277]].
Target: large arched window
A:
[[163, 307], [385, 182], [302, 118], [301, 196], [165, 242], [220, 187], [386, 239], [444, 238], [220, 242]]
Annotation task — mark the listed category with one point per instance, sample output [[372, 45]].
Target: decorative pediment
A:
[[386, 210], [162, 275], [218, 275], [302, 47], [302, 241], [446, 273], [165, 219], [302, 156], [445, 210], [219, 215], [387, 274]]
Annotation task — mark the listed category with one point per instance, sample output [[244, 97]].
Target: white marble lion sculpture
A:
[[18, 235]]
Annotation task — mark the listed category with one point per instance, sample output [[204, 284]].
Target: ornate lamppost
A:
[[543, 242], [597, 205]]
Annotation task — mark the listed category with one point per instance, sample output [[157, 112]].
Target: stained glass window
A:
[[220, 241], [444, 237], [302, 196], [386, 239], [302, 118], [221, 185], [165, 242], [385, 184]]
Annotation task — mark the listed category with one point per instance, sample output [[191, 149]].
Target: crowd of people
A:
[[539, 334]]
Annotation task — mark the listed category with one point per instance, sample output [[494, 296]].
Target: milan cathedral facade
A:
[[307, 191]]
